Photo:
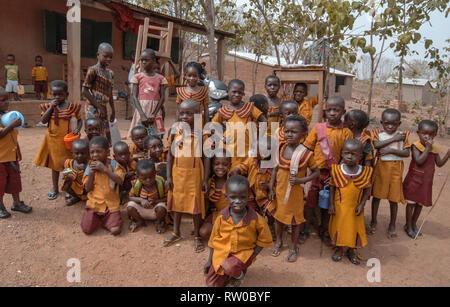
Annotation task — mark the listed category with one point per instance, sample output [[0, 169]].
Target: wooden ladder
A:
[[165, 43]]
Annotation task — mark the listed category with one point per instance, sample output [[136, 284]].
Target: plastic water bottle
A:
[[73, 122]]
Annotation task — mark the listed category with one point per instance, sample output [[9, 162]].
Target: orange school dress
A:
[[201, 96], [187, 175], [388, 175], [247, 113], [53, 151], [77, 185], [347, 229], [292, 212], [238, 240], [306, 108], [217, 198]]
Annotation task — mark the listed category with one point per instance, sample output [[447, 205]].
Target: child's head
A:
[[391, 120], [153, 145], [59, 90], [295, 129], [4, 102], [427, 130], [121, 153], [288, 107], [80, 150], [187, 110], [146, 172], [300, 91], [192, 73], [38, 60], [261, 103], [138, 135], [356, 120], [148, 59], [352, 152], [105, 54], [93, 127], [221, 163], [99, 149], [157, 66], [236, 91], [10, 59], [335, 109], [272, 85], [237, 191]]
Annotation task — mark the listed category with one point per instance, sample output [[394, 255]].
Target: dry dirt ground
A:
[[35, 248]]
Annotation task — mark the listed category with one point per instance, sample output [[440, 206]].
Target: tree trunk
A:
[[255, 72], [208, 7], [269, 27], [400, 81]]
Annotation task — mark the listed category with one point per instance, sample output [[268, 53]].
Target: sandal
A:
[[292, 257], [276, 250], [303, 237], [72, 201], [337, 255], [21, 207], [353, 258], [198, 245], [4, 213], [410, 233], [172, 239], [372, 229], [52, 195]]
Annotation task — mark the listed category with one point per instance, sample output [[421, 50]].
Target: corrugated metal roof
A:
[[410, 81]]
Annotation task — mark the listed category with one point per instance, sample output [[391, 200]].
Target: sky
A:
[[438, 31]]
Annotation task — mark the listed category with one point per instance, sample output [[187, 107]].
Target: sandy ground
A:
[[35, 248]]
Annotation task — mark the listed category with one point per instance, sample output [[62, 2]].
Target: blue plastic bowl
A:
[[9, 117]]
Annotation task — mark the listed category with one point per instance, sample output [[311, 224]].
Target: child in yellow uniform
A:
[[193, 90], [288, 209], [287, 107], [349, 191], [147, 200], [326, 140], [272, 86], [392, 146], [186, 175], [73, 180], [305, 105], [10, 156], [123, 157], [154, 148], [102, 179], [57, 114], [39, 77], [221, 164], [238, 236], [237, 115], [92, 127], [357, 121], [138, 135]]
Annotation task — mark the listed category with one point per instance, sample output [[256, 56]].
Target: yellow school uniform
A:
[[105, 194], [388, 175], [216, 197], [292, 212], [347, 229], [136, 153], [247, 113], [306, 108], [228, 239], [187, 175], [77, 185], [337, 136], [251, 168], [53, 150], [8, 145]]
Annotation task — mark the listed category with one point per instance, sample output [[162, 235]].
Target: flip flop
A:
[[52, 195], [353, 259], [172, 239], [199, 247], [411, 233], [337, 257], [292, 257], [276, 250], [21, 207]]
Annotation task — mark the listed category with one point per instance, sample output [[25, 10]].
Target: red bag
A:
[[325, 144]]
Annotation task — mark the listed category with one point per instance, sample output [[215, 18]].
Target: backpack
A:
[[325, 144], [159, 185]]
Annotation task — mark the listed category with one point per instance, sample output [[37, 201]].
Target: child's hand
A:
[[331, 210], [16, 123], [359, 210], [400, 136], [169, 184], [294, 180], [429, 143], [112, 117], [385, 151], [70, 177], [54, 103], [98, 166], [146, 204]]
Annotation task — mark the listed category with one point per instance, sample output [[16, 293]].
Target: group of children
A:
[[239, 204], [39, 77]]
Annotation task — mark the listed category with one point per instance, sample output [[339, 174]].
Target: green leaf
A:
[[428, 43]]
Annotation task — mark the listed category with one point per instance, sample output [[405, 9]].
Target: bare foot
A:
[[134, 225], [391, 232], [161, 227]]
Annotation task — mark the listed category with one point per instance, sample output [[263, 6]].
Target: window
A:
[[340, 80], [92, 34], [130, 40]]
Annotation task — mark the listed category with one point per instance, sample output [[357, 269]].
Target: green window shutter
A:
[[175, 50], [129, 44], [50, 31], [87, 38], [102, 34]]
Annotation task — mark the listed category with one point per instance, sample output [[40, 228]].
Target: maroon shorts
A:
[[10, 181], [40, 87], [91, 220], [232, 266], [317, 184]]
